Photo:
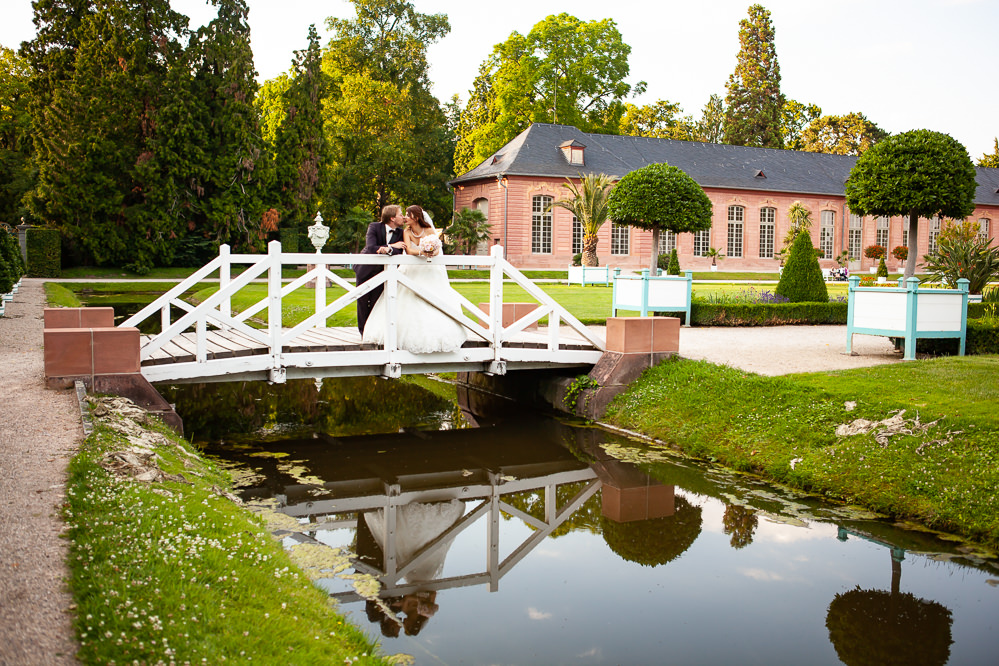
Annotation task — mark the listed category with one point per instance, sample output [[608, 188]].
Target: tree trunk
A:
[[655, 251], [913, 245], [590, 250]]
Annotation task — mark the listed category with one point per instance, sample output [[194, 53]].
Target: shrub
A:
[[6, 282], [11, 266], [874, 251], [900, 252], [44, 253], [289, 239], [801, 280], [767, 314], [960, 256], [674, 264], [882, 269], [577, 259]]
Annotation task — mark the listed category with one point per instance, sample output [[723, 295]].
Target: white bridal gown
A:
[[420, 327], [417, 524]]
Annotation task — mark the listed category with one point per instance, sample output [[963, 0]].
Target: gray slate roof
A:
[[535, 152]]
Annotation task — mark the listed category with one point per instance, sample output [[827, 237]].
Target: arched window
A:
[[856, 235], [826, 232]]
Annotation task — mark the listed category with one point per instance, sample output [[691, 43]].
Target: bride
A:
[[420, 327]]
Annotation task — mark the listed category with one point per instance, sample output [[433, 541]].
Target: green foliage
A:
[[851, 134], [711, 126], [660, 197], [589, 203], [659, 120], [715, 254], [576, 388], [900, 252], [754, 103], [577, 259], [800, 218], [768, 314], [468, 229], [918, 174], [960, 256], [882, 269], [347, 235], [11, 264], [16, 174], [795, 118], [44, 252], [390, 141], [982, 336], [991, 159], [289, 240], [58, 296], [564, 70], [801, 280], [655, 541]]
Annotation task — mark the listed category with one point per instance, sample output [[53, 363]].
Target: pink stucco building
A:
[[751, 190]]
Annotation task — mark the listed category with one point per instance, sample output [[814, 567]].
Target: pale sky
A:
[[905, 64]]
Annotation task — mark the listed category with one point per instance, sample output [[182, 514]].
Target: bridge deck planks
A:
[[232, 343]]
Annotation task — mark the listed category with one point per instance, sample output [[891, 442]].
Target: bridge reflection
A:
[[408, 496]]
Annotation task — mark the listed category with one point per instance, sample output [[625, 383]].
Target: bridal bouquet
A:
[[430, 246]]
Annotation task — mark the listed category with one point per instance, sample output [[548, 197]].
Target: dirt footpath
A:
[[39, 432]]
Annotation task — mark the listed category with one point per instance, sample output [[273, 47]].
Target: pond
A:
[[503, 536]]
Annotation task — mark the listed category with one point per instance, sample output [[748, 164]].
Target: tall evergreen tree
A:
[[754, 104], [97, 134], [300, 144], [16, 174]]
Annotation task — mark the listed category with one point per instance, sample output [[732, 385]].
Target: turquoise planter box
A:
[[907, 312], [647, 293], [585, 275]]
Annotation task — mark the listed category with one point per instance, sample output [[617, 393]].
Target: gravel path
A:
[[39, 432]]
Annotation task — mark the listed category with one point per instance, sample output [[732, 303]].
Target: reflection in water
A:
[[874, 627], [517, 529]]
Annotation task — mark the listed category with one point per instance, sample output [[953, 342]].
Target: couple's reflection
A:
[[417, 525]]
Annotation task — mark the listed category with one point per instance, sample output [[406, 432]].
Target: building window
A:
[[667, 241], [934, 234], [735, 215], [768, 220], [905, 232], [882, 235], [856, 235], [702, 240], [826, 232], [577, 235], [983, 229], [541, 224], [620, 238]]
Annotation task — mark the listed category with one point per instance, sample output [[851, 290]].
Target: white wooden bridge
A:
[[210, 342]]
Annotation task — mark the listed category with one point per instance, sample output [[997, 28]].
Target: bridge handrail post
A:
[[320, 288], [496, 298], [225, 276], [274, 301]]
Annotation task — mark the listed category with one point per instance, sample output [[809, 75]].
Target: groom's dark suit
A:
[[375, 238]]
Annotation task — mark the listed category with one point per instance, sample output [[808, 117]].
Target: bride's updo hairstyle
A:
[[417, 214]]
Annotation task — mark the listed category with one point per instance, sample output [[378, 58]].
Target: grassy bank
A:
[[937, 463], [173, 571]]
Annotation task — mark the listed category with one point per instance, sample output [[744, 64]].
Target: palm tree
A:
[[589, 204]]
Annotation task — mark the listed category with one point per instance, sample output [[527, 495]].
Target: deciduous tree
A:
[[991, 159], [917, 174], [16, 174], [851, 134], [660, 197], [661, 120], [564, 70], [755, 104], [795, 117]]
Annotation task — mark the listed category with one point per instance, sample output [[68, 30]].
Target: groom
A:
[[383, 237]]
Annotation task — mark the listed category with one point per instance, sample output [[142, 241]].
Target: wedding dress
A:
[[416, 525], [420, 327]]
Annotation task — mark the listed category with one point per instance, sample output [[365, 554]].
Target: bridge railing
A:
[[216, 310]]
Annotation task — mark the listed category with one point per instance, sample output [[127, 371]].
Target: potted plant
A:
[[715, 255], [900, 253], [874, 252]]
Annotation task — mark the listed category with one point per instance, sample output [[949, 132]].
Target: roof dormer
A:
[[572, 151]]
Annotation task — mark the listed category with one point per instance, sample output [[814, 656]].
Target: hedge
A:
[[982, 338], [767, 314], [44, 253]]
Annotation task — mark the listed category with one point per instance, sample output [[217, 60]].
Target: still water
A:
[[505, 537]]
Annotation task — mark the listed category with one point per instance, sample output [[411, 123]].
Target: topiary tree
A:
[[674, 264], [919, 174], [882, 268], [660, 197], [801, 280]]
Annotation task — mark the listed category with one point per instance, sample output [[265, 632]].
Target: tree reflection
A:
[[740, 522], [586, 518], [342, 406], [869, 627], [655, 541]]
